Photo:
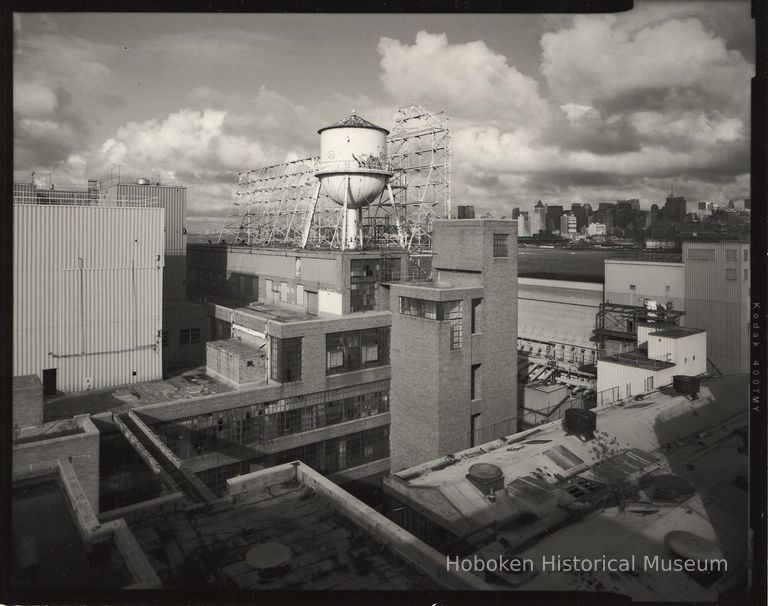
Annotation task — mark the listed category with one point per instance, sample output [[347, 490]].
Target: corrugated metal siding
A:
[[97, 318], [719, 305]]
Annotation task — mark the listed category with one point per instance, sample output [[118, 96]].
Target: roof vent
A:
[[486, 477], [580, 422]]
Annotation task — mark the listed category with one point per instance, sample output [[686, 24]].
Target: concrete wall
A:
[[81, 450], [88, 294], [27, 401]]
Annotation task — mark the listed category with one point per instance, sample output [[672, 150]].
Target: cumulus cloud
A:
[[466, 79]]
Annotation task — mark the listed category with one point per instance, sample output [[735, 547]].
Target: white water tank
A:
[[353, 168]]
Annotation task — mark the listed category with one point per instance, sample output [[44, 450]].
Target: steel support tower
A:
[[281, 205]]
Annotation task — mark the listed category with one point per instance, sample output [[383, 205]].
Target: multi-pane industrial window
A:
[[452, 311], [285, 359], [746, 275], [731, 255], [165, 339], [364, 274], [500, 245], [746, 254], [419, 308], [258, 422], [189, 336], [731, 274], [356, 349]]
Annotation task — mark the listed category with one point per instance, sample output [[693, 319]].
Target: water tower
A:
[[353, 171]]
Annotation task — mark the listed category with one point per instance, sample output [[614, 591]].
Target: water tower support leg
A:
[[344, 226], [310, 217]]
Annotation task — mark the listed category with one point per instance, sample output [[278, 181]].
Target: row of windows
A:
[[733, 274], [451, 311], [187, 336], [327, 456], [356, 350], [709, 253], [261, 422]]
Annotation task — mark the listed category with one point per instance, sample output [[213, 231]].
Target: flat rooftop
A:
[[186, 386], [637, 358], [676, 332], [682, 456], [277, 532]]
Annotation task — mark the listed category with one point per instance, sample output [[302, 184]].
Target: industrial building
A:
[[647, 478], [711, 287], [185, 323], [88, 279], [454, 342]]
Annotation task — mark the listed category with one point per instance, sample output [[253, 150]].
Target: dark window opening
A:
[[475, 388], [477, 311], [285, 359]]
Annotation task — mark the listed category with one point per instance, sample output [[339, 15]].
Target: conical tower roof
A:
[[353, 121]]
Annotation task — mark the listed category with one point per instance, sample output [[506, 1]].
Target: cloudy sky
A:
[[563, 108]]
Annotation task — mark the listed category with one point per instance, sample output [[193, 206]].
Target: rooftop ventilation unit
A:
[[486, 477]]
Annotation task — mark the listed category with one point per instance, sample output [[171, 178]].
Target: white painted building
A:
[[661, 354], [634, 282], [87, 296]]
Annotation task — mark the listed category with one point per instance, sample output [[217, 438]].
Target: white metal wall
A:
[[662, 282], [88, 293], [717, 299]]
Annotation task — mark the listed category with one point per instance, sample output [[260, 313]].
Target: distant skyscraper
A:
[[539, 219], [674, 209], [554, 212]]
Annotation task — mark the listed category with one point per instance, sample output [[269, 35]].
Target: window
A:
[[364, 275], [450, 311], [633, 287], [730, 255], [649, 384], [475, 387], [189, 336], [731, 274], [746, 255], [454, 316], [500, 245], [477, 310], [419, 308], [285, 359], [165, 339], [746, 275], [701, 253], [474, 429], [356, 350]]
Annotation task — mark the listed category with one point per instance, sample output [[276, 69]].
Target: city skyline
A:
[[559, 108]]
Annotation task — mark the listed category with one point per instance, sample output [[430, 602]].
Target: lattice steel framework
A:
[[272, 206]]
